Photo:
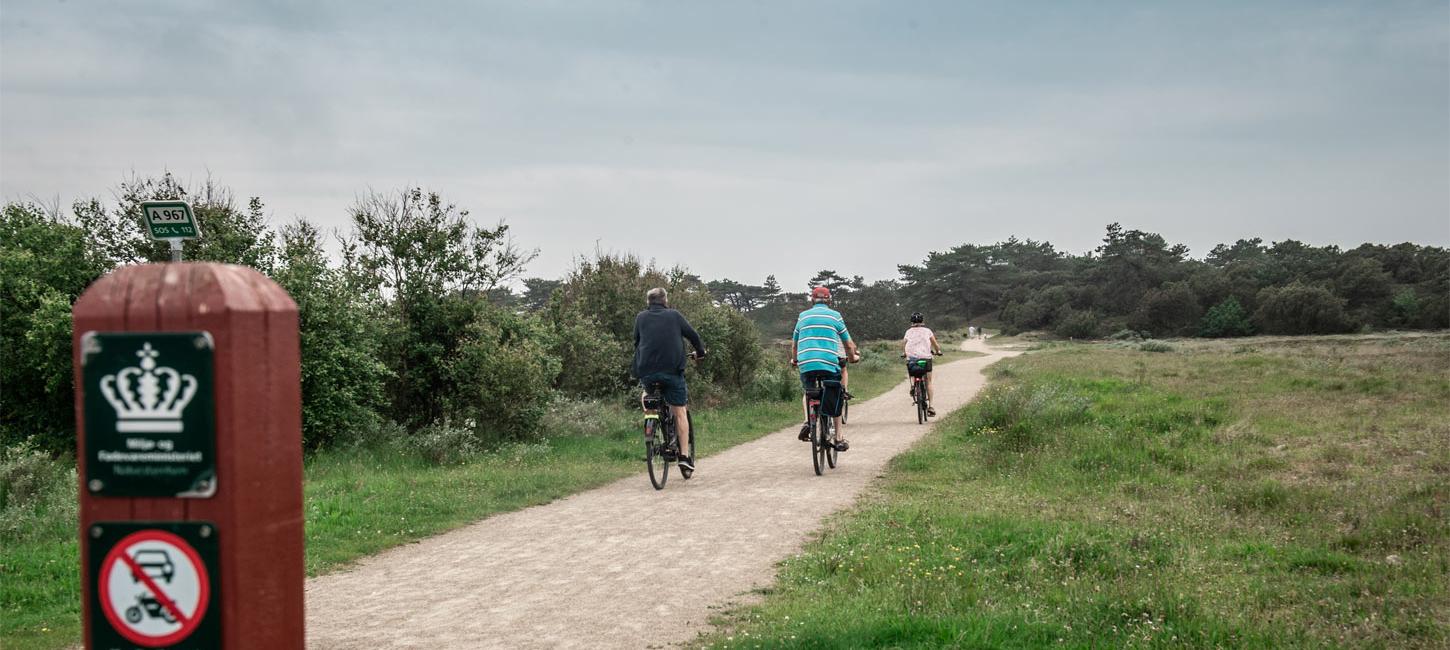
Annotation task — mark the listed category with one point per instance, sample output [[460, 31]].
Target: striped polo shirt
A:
[[819, 332]]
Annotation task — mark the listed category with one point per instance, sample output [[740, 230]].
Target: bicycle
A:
[[918, 388], [822, 430], [662, 441]]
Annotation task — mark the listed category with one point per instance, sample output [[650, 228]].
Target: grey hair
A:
[[657, 296]]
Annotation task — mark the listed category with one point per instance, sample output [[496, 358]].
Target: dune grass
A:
[[1254, 493]]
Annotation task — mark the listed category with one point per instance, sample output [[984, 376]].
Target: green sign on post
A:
[[170, 220], [149, 413]]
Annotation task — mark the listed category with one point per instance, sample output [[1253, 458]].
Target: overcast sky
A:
[[743, 139]]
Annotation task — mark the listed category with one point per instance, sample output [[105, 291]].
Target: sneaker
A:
[[842, 445], [930, 412], [805, 435], [686, 464]]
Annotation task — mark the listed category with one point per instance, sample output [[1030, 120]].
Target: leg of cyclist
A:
[[930, 397], [682, 427], [841, 444], [677, 396], [805, 434]]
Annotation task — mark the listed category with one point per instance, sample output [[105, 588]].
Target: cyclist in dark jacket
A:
[[659, 357]]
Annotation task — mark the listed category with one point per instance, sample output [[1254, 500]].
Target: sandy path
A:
[[615, 567]]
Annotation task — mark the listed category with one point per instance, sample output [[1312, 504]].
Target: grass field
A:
[[1251, 493], [363, 500]]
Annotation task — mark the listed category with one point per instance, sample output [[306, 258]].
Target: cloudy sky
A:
[[743, 139]]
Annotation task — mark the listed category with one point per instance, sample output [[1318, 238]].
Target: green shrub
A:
[[1020, 417], [734, 349], [444, 443], [590, 417], [1301, 309], [37, 493], [1405, 309], [1155, 346], [592, 364], [1127, 335], [341, 333], [45, 263], [1169, 310], [1074, 324], [1226, 319], [501, 376]]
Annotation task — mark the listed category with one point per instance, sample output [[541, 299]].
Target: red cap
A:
[[820, 292]]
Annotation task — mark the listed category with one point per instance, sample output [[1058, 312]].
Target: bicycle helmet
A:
[[916, 317]]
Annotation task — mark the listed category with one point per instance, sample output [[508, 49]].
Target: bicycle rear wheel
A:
[[920, 396], [694, 444], [654, 446]]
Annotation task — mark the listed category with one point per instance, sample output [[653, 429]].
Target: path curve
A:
[[569, 574]]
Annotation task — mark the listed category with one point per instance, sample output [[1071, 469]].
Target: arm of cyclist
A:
[[935, 347], [852, 352], [693, 337]]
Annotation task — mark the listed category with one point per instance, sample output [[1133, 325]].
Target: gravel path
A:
[[621, 566]]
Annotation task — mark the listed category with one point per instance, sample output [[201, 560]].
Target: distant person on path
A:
[[982, 333], [821, 344], [659, 357], [920, 344], [971, 331]]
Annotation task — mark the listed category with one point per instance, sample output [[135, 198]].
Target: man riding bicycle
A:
[[659, 358], [818, 340], [920, 345]]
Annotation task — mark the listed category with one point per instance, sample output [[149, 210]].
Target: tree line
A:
[[1137, 283], [426, 320]]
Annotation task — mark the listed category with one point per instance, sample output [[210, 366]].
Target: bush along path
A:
[[623, 565]]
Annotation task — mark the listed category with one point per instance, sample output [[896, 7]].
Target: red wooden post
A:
[[257, 504]]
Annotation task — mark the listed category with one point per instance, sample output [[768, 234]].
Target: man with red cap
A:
[[819, 338]]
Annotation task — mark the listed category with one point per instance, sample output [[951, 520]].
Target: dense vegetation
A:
[[1276, 492], [418, 330]]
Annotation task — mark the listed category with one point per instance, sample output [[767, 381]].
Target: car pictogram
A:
[[156, 563]]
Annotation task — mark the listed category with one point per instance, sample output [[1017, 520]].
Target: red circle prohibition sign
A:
[[118, 558]]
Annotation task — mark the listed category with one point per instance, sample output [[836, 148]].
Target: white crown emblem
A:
[[148, 399]]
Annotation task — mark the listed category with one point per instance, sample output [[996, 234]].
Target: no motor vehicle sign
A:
[[154, 585]]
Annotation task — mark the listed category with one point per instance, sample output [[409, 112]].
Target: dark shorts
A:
[[672, 387], [811, 378]]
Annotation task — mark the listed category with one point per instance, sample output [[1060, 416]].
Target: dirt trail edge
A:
[[621, 566]]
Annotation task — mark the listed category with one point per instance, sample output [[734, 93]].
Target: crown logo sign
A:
[[148, 399]]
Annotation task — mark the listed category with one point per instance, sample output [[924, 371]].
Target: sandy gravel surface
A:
[[621, 566]]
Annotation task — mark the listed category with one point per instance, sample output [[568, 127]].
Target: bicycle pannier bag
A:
[[916, 367], [831, 397]]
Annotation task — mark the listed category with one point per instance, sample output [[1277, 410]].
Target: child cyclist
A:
[[920, 344]]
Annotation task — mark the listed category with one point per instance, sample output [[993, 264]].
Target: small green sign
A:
[[154, 584], [149, 413], [170, 220]]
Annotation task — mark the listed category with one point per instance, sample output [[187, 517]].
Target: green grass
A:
[[1259, 493], [363, 500]]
